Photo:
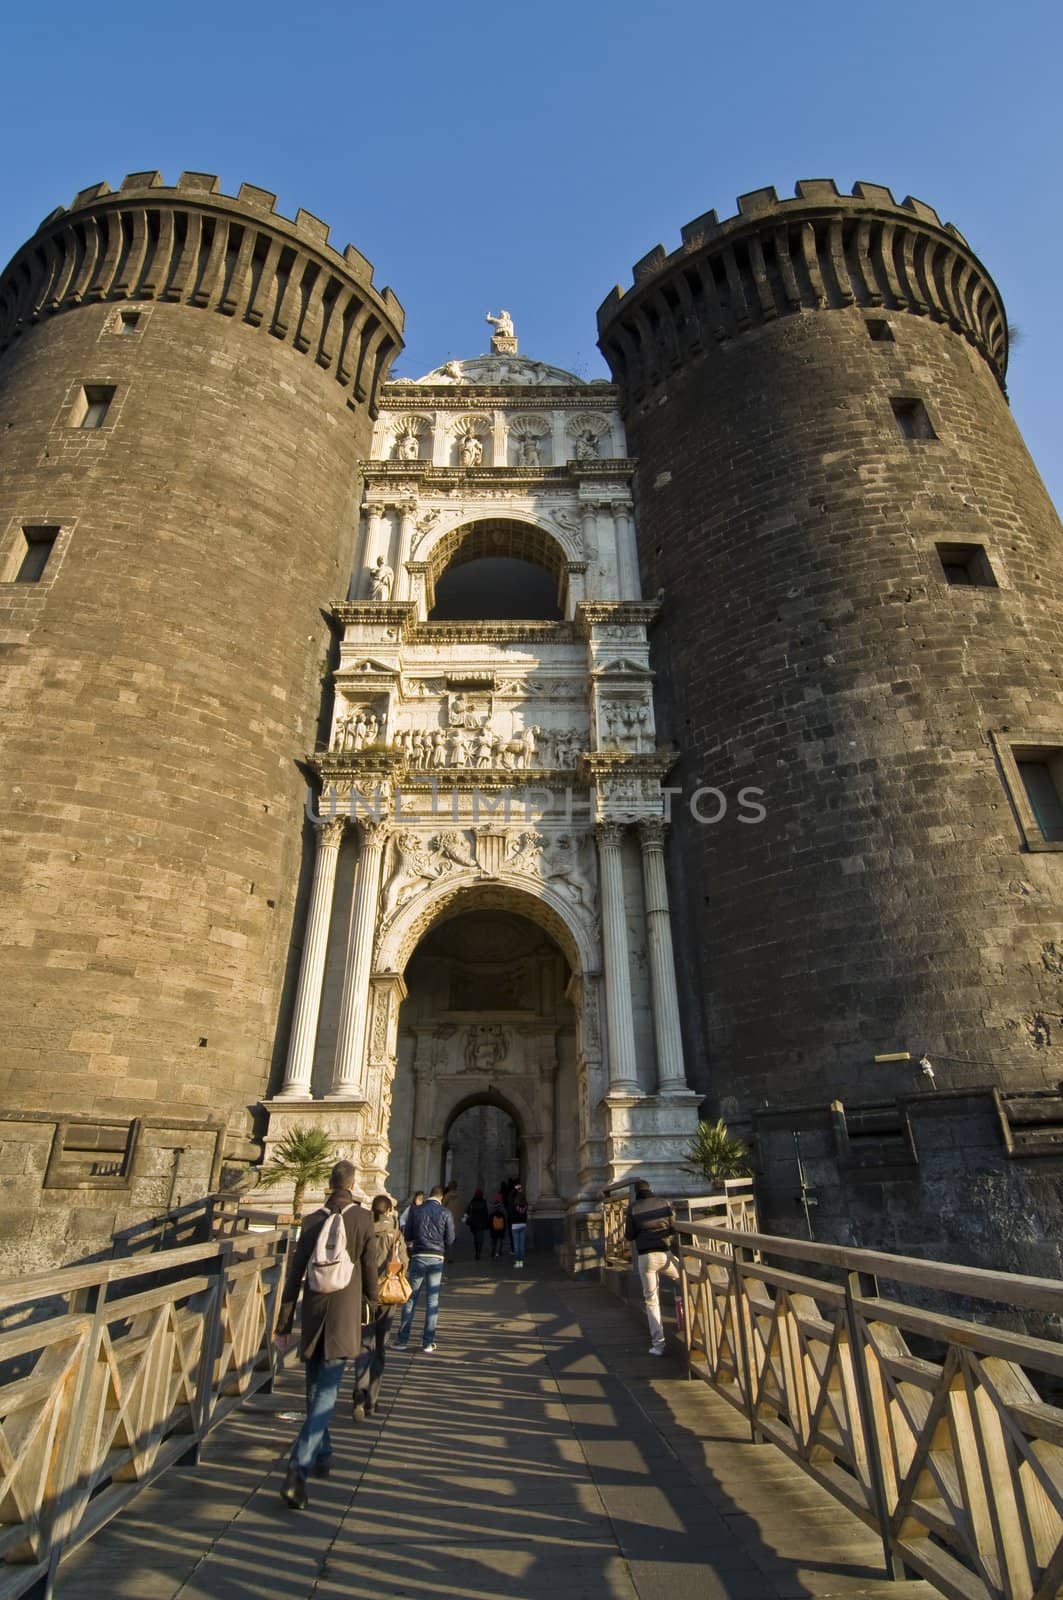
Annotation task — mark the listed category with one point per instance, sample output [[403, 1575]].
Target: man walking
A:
[[430, 1239], [331, 1326], [650, 1224]]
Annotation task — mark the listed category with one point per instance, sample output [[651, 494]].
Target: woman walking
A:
[[498, 1227], [369, 1366], [517, 1209]]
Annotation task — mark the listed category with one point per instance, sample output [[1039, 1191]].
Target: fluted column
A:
[[629, 586], [402, 577], [299, 1066], [623, 1077], [671, 1074], [347, 1070]]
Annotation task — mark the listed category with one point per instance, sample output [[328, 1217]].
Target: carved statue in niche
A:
[[407, 447], [586, 445], [472, 451], [414, 867], [486, 1047], [381, 579], [529, 453]]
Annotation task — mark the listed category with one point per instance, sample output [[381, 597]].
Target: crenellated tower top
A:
[[190, 244], [819, 251]]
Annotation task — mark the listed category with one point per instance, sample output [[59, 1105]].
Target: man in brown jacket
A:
[[331, 1328]]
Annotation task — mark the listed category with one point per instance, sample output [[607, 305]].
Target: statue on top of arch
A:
[[504, 338]]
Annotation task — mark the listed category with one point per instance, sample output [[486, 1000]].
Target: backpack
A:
[[330, 1267], [498, 1222]]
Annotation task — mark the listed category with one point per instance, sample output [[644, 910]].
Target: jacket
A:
[[477, 1215], [388, 1233], [650, 1222], [430, 1229], [335, 1318]]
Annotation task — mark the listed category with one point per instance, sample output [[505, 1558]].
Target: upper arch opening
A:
[[497, 570]]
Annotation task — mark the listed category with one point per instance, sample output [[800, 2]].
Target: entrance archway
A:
[[486, 1058], [482, 1146]]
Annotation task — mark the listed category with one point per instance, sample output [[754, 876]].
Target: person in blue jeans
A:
[[331, 1332], [517, 1210], [430, 1238]]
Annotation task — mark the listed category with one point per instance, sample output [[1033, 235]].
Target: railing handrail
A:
[[980, 1283], [68, 1280]]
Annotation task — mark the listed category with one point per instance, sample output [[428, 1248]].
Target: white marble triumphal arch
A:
[[488, 920]]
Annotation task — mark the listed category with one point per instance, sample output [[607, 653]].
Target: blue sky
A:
[[526, 155]]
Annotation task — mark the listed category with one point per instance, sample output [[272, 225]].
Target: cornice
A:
[[376, 613], [612, 613]]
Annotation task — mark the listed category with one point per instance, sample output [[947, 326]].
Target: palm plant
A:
[[713, 1155], [303, 1157]]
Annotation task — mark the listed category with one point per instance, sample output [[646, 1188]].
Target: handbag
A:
[[394, 1287]]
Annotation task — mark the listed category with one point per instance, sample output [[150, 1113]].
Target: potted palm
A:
[[304, 1157], [713, 1155]]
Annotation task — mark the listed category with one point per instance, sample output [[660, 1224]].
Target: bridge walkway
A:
[[540, 1452]]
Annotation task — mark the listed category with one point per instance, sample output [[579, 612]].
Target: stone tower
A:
[[187, 386], [863, 619]]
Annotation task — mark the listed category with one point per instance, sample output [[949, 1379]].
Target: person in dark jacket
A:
[[369, 1367], [477, 1220], [650, 1225], [430, 1237], [331, 1326]]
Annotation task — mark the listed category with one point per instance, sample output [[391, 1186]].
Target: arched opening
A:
[[487, 1076], [497, 571], [482, 1147]]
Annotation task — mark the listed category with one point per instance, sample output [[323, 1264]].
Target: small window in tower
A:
[[33, 547], [1041, 772], [966, 564], [1033, 777], [879, 330], [92, 405], [129, 322], [912, 418]]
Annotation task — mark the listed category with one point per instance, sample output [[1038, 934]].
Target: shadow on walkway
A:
[[539, 1452]]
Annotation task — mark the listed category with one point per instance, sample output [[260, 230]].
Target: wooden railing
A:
[[734, 1206], [952, 1451], [110, 1373]]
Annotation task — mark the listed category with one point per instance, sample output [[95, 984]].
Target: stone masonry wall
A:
[[811, 646], [158, 688]]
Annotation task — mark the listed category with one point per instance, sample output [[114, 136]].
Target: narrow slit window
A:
[[966, 565], [879, 330], [1042, 778], [129, 322], [33, 549], [912, 418], [92, 405]]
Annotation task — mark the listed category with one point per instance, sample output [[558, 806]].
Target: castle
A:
[[501, 762]]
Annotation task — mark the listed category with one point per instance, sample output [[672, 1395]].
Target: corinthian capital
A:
[[609, 834], [651, 832]]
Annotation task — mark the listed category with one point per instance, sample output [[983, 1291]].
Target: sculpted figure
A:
[[413, 867], [381, 579], [586, 446], [459, 748], [439, 748], [481, 748], [502, 324], [407, 448], [472, 451], [529, 453], [456, 849]]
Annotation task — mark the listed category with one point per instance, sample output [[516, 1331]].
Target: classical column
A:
[[378, 537], [347, 1070], [499, 441], [402, 577], [671, 1075], [559, 443], [623, 1078], [629, 583], [300, 1063]]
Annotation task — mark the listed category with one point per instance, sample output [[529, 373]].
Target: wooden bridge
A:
[[837, 1439]]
